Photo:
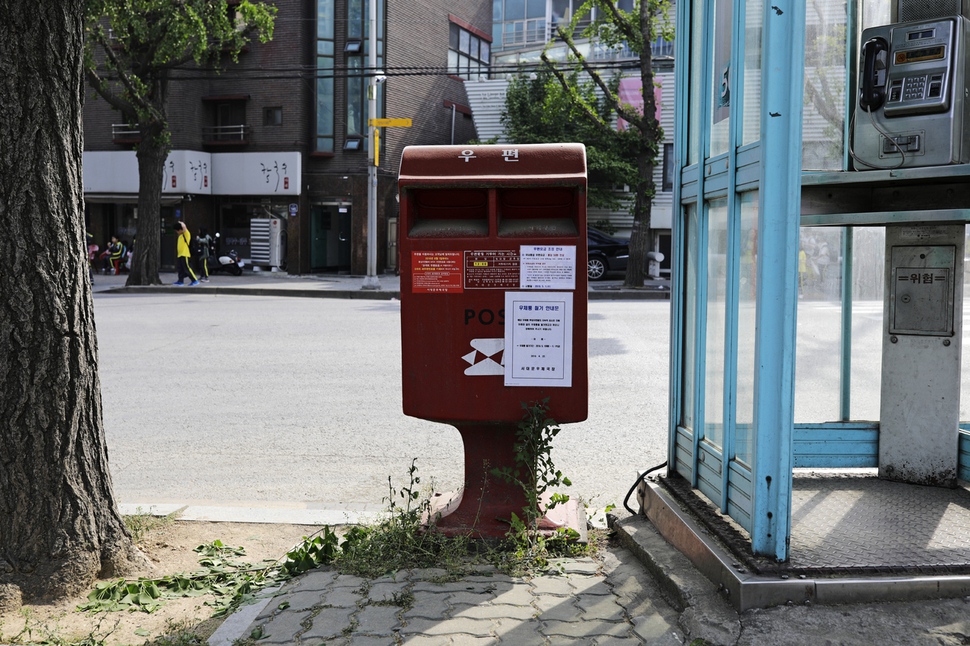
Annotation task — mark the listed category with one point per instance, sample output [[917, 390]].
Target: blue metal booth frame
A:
[[772, 352]]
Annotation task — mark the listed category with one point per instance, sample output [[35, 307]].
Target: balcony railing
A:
[[122, 133], [226, 135]]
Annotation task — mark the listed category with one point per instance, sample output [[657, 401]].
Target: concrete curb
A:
[[378, 295], [361, 294], [705, 614], [280, 514]]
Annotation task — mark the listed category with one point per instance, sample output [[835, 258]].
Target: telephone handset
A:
[[873, 92]]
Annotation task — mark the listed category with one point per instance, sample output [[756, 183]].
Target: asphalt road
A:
[[243, 400]]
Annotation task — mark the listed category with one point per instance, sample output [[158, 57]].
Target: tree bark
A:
[[59, 524]]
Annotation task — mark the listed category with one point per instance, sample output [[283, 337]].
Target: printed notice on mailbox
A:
[[547, 266], [539, 339]]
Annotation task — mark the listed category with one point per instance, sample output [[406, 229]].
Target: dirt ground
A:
[[170, 547]]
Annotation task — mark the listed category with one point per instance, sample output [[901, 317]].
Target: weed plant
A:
[[406, 538], [141, 523]]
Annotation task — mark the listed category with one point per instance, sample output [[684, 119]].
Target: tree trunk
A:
[[650, 134], [59, 525], [145, 260]]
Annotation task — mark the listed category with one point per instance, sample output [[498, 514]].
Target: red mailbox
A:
[[493, 302]]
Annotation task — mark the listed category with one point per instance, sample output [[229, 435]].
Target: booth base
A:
[[484, 506], [490, 521], [855, 539]]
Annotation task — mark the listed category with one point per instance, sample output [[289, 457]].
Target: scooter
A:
[[229, 263]]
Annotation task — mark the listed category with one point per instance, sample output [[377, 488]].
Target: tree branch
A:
[[136, 102], [632, 117], [625, 26]]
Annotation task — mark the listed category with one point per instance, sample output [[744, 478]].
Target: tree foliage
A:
[[538, 110], [132, 48], [637, 29]]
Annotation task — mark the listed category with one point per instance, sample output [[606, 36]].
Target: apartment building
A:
[[281, 135]]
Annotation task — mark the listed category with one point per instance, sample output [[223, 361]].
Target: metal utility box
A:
[[919, 412], [268, 242], [493, 281]]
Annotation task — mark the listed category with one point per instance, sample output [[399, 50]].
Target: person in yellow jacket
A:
[[183, 255]]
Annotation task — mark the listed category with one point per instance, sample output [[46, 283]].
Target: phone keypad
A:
[[914, 88]]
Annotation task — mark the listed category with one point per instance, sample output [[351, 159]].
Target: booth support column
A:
[[780, 187]]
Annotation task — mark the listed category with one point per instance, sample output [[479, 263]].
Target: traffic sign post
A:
[[389, 123]]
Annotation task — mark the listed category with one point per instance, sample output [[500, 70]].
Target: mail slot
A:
[[493, 281], [493, 307]]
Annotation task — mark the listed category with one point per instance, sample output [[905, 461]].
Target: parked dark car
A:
[[606, 254]]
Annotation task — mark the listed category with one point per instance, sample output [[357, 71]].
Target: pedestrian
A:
[[203, 248], [92, 254], [110, 255], [183, 255]]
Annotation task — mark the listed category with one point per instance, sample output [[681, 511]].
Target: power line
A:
[[308, 72]]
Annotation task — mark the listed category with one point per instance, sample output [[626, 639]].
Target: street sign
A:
[[389, 123]]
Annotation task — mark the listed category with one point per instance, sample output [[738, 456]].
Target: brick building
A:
[[282, 134]]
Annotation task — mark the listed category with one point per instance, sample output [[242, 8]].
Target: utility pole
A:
[[371, 281]]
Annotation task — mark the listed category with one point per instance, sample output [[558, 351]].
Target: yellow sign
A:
[[389, 123]]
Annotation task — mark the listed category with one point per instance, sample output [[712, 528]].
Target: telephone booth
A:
[[820, 216]]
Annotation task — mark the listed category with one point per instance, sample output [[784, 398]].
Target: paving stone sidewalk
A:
[[606, 600]]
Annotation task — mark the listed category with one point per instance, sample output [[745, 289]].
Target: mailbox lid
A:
[[488, 164]]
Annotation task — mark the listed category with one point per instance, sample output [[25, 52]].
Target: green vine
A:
[[536, 474]]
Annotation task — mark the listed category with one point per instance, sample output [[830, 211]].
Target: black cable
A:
[[626, 501]]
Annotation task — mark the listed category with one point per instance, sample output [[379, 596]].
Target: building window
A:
[[356, 101], [358, 74], [226, 120], [668, 168], [468, 53], [323, 127], [530, 23], [273, 116]]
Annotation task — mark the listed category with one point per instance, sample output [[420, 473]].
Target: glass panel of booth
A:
[[819, 333], [823, 116], [868, 286], [747, 322], [721, 68], [751, 110], [715, 321], [824, 356], [965, 366], [688, 401], [696, 77]]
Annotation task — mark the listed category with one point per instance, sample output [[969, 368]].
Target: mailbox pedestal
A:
[[493, 304]]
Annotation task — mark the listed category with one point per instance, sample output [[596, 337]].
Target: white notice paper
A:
[[539, 339], [547, 266]]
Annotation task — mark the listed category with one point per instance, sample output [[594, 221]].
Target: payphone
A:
[[913, 108]]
